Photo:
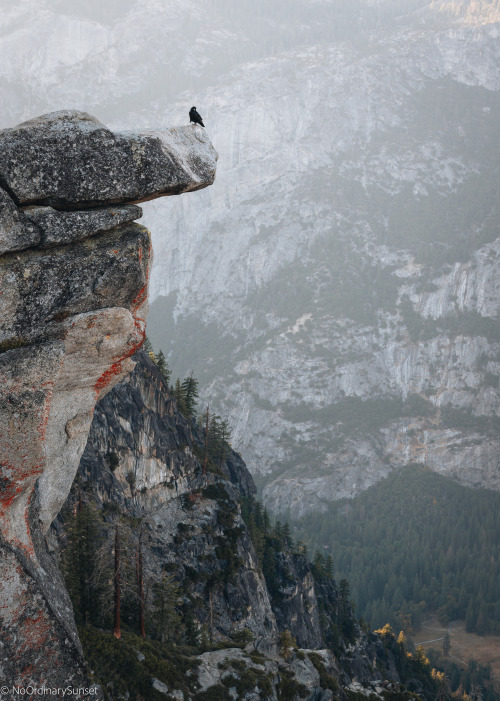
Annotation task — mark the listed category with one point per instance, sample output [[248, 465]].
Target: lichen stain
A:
[[108, 375], [24, 471], [36, 631]]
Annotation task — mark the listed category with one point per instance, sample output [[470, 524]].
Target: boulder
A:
[[43, 288], [70, 160]]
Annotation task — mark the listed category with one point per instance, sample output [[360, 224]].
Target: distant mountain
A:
[[337, 289], [344, 271]]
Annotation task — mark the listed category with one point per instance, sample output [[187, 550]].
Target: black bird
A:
[[195, 117]]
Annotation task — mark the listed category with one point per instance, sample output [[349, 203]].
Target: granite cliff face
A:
[[142, 465], [139, 424], [362, 261], [74, 275]]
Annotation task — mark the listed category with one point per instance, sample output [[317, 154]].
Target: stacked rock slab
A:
[[74, 273]]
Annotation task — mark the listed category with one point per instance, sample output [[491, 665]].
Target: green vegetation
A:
[[216, 437], [116, 662], [113, 460], [83, 564], [186, 394], [465, 419], [413, 543], [288, 688], [127, 663], [166, 620], [413, 667], [465, 323], [89, 568], [354, 415], [214, 430], [162, 366], [12, 343], [268, 540], [326, 680], [131, 479], [464, 679]]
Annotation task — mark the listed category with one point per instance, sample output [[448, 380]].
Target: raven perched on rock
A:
[[195, 117]]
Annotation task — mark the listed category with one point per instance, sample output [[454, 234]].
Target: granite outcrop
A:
[[74, 271]]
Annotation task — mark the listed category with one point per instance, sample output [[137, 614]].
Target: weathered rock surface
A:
[[69, 159], [16, 231], [64, 227], [297, 609], [73, 304], [138, 423], [44, 288], [140, 461]]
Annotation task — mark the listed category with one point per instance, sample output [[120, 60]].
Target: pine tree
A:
[[278, 532], [148, 348], [318, 568], [420, 656], [345, 619], [269, 570], [166, 617], [256, 536], [80, 564], [266, 521], [259, 515], [191, 630], [214, 437], [162, 366], [446, 644], [140, 586], [179, 396], [287, 535], [190, 395], [225, 437], [117, 606], [205, 447]]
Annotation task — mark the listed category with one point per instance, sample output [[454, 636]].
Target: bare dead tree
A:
[[206, 442], [140, 586], [116, 629]]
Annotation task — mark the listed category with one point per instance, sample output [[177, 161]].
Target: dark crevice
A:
[[10, 193]]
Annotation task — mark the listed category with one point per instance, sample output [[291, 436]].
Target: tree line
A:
[[416, 543], [214, 430], [102, 561], [271, 538]]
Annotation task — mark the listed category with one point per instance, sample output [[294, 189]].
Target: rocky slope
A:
[[190, 525], [74, 280], [140, 425]]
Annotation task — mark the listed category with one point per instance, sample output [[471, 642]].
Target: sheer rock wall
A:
[[74, 273]]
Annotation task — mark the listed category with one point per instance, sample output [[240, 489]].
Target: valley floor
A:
[[485, 649]]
